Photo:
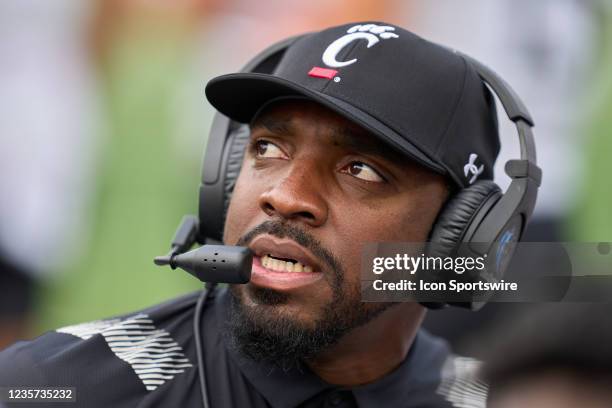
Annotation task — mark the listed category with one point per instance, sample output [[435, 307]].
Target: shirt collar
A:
[[414, 382], [418, 373]]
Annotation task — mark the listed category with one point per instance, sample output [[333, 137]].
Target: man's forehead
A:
[[289, 116]]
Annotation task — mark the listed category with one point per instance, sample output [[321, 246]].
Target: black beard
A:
[[265, 336]]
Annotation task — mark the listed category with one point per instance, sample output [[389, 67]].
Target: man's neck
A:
[[373, 350]]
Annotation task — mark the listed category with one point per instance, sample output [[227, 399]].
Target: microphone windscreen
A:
[[217, 263]]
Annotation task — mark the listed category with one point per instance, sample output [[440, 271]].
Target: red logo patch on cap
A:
[[319, 72]]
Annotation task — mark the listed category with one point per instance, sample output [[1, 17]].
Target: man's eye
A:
[[268, 150], [364, 172]]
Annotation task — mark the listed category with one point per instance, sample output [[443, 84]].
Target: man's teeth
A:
[[283, 266]]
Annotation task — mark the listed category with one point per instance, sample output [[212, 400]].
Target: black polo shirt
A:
[[148, 359]]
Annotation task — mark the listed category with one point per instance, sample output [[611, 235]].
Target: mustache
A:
[[284, 230]]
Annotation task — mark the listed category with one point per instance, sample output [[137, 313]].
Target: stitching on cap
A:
[[455, 109]]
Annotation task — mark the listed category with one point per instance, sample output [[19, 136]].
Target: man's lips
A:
[[282, 281], [285, 249]]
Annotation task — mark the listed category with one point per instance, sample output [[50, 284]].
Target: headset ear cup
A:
[[458, 214], [237, 143]]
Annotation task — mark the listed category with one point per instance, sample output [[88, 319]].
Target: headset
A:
[[476, 220]]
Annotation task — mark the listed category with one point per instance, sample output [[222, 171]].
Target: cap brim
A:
[[240, 96]]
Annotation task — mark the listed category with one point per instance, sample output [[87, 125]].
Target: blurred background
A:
[[103, 123]]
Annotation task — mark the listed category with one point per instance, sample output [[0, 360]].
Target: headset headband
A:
[[520, 197]]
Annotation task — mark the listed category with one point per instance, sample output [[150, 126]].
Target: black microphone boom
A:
[[209, 263], [213, 263]]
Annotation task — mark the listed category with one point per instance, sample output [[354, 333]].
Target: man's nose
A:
[[299, 195]]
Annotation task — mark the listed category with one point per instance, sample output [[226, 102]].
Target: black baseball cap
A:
[[419, 97]]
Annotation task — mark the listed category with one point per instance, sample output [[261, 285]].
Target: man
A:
[[368, 149]]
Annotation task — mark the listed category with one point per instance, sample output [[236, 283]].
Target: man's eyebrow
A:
[[364, 142], [273, 124], [356, 139]]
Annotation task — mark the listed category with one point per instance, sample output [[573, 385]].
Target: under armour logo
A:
[[471, 168]]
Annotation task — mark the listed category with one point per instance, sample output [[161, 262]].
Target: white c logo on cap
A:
[[367, 32]]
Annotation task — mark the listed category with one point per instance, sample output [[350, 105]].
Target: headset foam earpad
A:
[[458, 213], [237, 143]]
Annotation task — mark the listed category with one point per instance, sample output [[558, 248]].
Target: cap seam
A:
[[455, 109]]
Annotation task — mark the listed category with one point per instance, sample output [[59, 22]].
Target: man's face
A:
[[315, 188]]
